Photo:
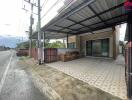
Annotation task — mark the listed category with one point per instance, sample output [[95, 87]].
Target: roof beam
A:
[[65, 28], [80, 24], [71, 12], [77, 22], [102, 27], [97, 14], [105, 20], [51, 30], [103, 12]]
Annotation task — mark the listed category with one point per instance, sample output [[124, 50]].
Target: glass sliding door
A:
[[97, 48], [105, 47], [88, 48]]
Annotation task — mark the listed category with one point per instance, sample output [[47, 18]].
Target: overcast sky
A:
[[122, 32], [12, 18], [14, 21]]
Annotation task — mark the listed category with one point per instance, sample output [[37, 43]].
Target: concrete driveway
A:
[[105, 74]]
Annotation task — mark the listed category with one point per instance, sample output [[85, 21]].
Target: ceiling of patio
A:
[[85, 16]]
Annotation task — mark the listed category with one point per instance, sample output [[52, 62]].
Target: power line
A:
[[61, 9], [45, 2], [51, 8], [31, 23]]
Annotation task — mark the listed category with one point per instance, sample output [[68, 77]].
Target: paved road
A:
[[4, 59], [15, 83]]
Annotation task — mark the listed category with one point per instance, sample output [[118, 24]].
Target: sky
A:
[[14, 21], [122, 32]]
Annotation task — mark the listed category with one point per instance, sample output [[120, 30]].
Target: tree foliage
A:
[[23, 45], [57, 44]]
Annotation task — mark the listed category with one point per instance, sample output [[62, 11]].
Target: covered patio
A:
[[81, 17], [105, 74]]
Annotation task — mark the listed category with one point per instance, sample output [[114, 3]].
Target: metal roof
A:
[[86, 16], [54, 35]]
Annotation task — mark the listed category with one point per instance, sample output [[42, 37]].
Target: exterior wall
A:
[[64, 50], [111, 47], [76, 40], [117, 30], [100, 35], [71, 39], [111, 33]]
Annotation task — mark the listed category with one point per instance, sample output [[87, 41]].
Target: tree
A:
[[23, 45], [56, 44]]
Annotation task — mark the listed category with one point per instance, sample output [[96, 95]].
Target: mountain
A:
[[10, 41]]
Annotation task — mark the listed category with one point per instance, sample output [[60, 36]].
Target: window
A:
[[72, 45]]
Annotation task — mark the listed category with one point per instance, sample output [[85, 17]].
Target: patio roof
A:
[[85, 16]]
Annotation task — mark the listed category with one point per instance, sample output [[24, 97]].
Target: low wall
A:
[[64, 50], [34, 53]]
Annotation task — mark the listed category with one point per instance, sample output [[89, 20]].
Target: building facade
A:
[[102, 43]]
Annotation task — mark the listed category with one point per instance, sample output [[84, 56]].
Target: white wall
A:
[[64, 50]]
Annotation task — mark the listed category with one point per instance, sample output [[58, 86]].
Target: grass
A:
[[24, 57]]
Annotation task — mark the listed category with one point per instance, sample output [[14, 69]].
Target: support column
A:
[[30, 31], [129, 56], [114, 44], [67, 41], [128, 67], [39, 34], [43, 47]]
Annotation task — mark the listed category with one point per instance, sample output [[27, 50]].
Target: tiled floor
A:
[[105, 74]]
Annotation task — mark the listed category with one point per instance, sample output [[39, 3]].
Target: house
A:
[[103, 43], [88, 25]]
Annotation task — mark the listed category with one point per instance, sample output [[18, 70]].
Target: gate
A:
[[50, 55]]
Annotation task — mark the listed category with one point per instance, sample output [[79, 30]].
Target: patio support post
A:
[[67, 41], [43, 47], [39, 33], [128, 67], [114, 43], [129, 24], [30, 31]]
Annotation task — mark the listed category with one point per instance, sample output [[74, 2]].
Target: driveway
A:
[[105, 74]]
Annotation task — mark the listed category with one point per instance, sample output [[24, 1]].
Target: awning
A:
[[85, 16]]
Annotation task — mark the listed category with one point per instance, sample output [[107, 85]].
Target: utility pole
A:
[[43, 47], [31, 23], [30, 31], [38, 27], [39, 33]]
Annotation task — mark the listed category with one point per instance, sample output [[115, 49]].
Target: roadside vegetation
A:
[[56, 44]]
